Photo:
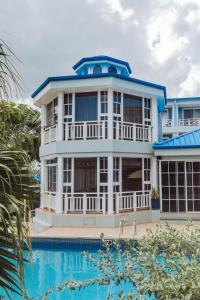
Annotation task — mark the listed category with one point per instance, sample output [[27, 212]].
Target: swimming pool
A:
[[55, 260]]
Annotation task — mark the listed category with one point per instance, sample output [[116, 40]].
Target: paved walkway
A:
[[128, 231]]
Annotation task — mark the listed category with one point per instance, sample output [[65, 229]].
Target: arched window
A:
[[112, 69], [97, 69]]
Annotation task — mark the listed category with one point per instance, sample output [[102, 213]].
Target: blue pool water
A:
[[53, 263]]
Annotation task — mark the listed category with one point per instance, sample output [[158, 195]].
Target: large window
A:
[[85, 175], [68, 107], [104, 102], [51, 174], [180, 186], [131, 174], [132, 109], [117, 103], [51, 113], [191, 113], [86, 107]]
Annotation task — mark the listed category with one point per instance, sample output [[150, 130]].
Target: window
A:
[[85, 175], [67, 170], [103, 169], [51, 113], [68, 106], [117, 103], [147, 111], [116, 169], [104, 102], [131, 174], [51, 174], [133, 109], [191, 113], [86, 106], [112, 69], [147, 174], [97, 69]]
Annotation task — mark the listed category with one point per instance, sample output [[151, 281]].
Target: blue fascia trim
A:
[[74, 77], [102, 57], [183, 99], [160, 147]]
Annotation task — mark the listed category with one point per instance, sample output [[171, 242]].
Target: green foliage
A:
[[20, 128], [18, 132], [164, 263], [154, 194]]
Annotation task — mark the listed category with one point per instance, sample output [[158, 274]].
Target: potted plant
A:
[[155, 201]]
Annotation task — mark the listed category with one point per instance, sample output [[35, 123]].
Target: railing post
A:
[[84, 130], [103, 128], [134, 132], [134, 201], [104, 204], [117, 202], [66, 130], [84, 203]]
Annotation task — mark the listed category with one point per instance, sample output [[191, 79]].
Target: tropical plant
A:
[[154, 194], [16, 184], [20, 128], [164, 264]]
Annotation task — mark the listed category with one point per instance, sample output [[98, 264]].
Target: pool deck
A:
[[112, 233]]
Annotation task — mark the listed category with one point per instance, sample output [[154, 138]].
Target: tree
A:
[[164, 264], [20, 128], [16, 183]]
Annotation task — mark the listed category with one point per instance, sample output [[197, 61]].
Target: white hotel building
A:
[[97, 159]]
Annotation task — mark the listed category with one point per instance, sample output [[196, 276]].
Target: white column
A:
[[43, 180], [60, 116], [59, 198], [154, 173], [110, 185], [43, 122], [110, 114], [154, 119]]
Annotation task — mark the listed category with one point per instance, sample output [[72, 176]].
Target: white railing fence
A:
[[98, 130], [84, 203], [85, 130], [132, 201], [48, 200], [49, 134], [131, 131], [167, 123], [189, 122]]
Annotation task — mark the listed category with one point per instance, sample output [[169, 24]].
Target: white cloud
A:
[[163, 40], [116, 7], [190, 86]]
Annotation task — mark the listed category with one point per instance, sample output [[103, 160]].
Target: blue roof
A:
[[74, 77], [102, 57], [190, 139]]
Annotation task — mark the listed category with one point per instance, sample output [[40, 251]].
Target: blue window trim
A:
[[74, 77], [102, 57]]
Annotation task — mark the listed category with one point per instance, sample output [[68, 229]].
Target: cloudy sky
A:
[[159, 38]]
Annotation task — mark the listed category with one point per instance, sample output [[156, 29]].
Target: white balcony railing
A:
[[189, 122], [133, 201], [132, 131], [49, 134], [84, 203], [48, 200], [167, 123], [84, 130]]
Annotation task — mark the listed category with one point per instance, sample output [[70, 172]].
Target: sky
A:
[[159, 38]]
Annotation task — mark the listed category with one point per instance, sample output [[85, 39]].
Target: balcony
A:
[[98, 130], [189, 122], [88, 203]]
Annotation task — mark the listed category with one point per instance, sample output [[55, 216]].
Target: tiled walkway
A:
[[128, 231]]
